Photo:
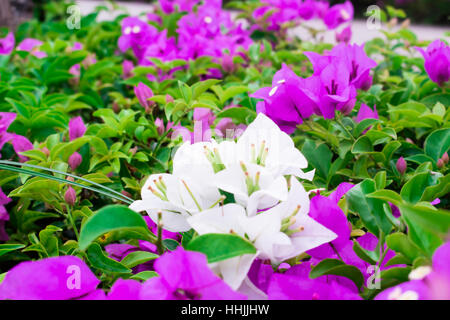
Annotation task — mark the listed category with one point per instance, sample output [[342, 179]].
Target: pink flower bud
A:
[[77, 128], [143, 93], [345, 35], [160, 126], [440, 163], [445, 158], [127, 67], [401, 165], [70, 196], [126, 194], [75, 160], [228, 64], [169, 98]]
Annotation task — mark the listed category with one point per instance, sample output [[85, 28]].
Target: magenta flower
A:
[[125, 290], [77, 128], [226, 129], [32, 45], [205, 116], [7, 44], [4, 215], [285, 103], [426, 282], [365, 112], [19, 143], [336, 93], [210, 32], [143, 93], [357, 62], [136, 34], [296, 285], [345, 35], [321, 8], [55, 278], [326, 211], [193, 281], [338, 14], [437, 61], [169, 6]]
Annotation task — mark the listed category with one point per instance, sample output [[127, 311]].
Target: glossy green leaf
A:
[[218, 247], [111, 219]]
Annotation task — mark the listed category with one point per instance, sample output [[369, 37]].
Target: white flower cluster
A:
[[260, 170]]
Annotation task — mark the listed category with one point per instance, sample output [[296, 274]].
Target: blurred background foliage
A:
[[419, 11]]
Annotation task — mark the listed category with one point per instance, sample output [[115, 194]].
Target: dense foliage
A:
[[194, 153]]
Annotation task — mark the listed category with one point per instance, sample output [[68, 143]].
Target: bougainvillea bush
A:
[[201, 152]]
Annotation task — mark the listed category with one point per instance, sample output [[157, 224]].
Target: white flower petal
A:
[[235, 270]]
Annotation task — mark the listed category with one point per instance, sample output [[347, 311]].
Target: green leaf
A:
[[413, 190], [437, 143], [144, 275], [202, 86], [319, 157], [219, 247], [387, 195], [240, 115], [371, 210], [362, 145], [100, 261], [366, 255], [338, 268], [111, 219], [399, 242], [138, 257], [8, 247], [363, 125], [427, 227]]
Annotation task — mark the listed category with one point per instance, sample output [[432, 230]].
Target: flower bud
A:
[[401, 165], [143, 93], [126, 194], [440, 163], [228, 64], [115, 107], [345, 35], [75, 160], [405, 24], [46, 151], [127, 67], [169, 98], [70, 196], [160, 126], [445, 158]]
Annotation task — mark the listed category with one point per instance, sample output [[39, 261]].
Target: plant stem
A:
[[72, 222]]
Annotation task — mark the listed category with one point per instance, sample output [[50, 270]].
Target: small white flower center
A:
[[136, 29], [344, 14], [419, 273], [273, 91], [208, 20], [127, 30], [397, 294]]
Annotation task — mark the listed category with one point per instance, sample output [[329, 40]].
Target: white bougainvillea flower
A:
[[298, 232], [176, 198], [230, 218], [252, 185], [265, 144]]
